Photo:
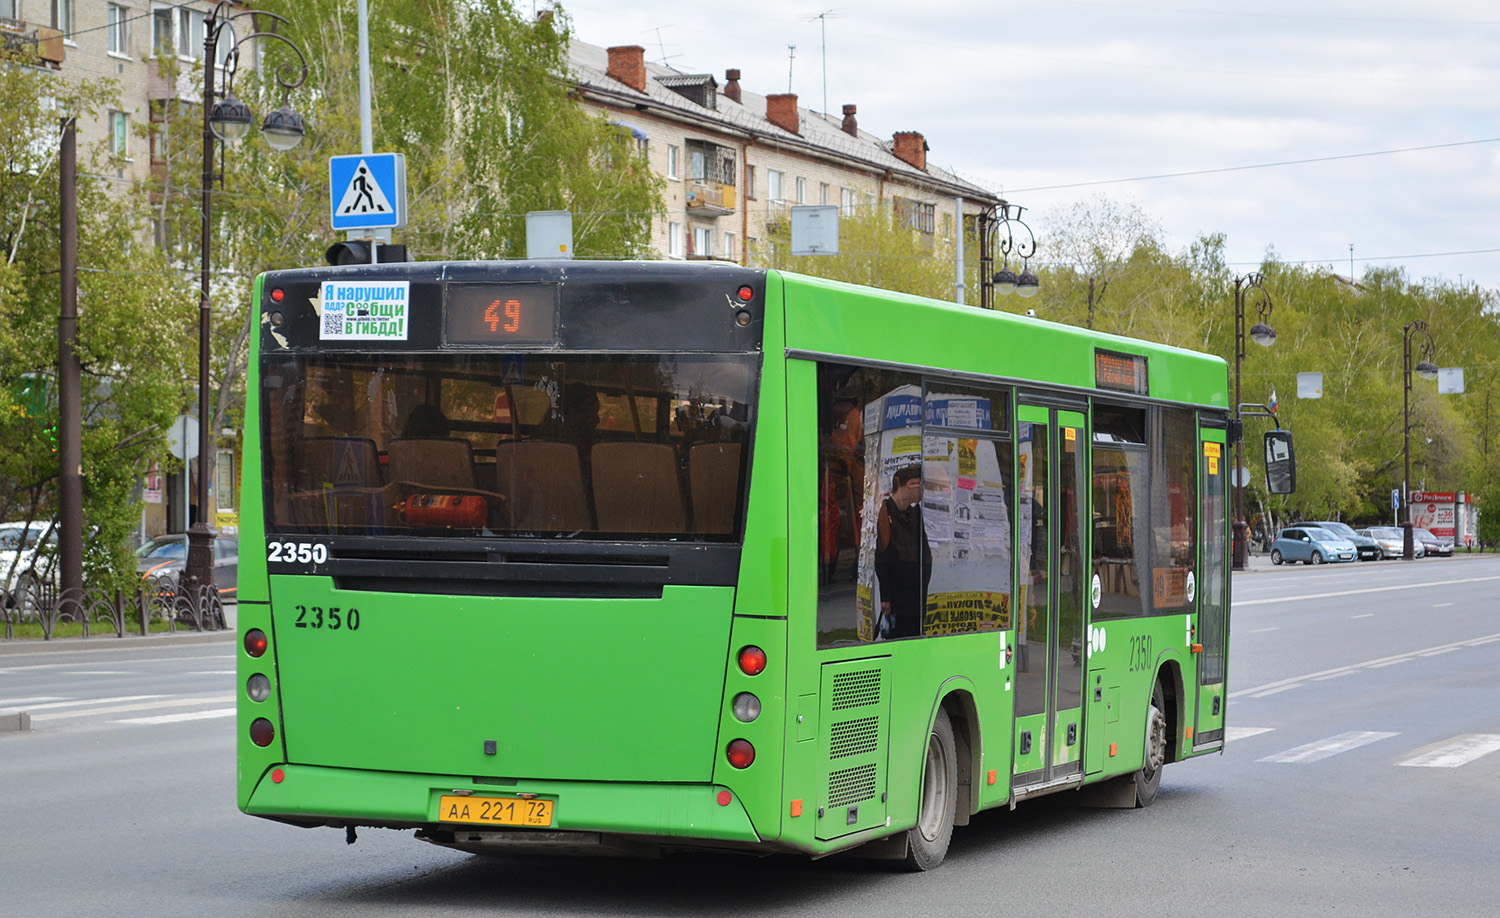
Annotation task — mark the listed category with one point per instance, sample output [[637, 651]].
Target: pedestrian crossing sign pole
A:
[[367, 191]]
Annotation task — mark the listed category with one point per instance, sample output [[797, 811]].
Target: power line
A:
[[1285, 162]]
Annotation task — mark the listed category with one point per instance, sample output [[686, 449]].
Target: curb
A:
[[112, 642]]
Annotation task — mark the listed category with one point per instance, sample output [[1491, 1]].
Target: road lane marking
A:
[[1260, 691], [1238, 733], [213, 672], [1262, 630], [1383, 589], [1366, 615], [178, 718], [1322, 749], [1461, 750], [144, 706], [10, 705], [76, 702], [1442, 605]]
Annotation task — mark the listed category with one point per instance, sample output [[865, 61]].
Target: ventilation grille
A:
[[853, 737], [856, 689], [852, 785]]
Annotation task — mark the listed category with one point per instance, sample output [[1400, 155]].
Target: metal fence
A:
[[102, 612]]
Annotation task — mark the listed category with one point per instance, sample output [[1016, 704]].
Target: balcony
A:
[[707, 197], [40, 42]]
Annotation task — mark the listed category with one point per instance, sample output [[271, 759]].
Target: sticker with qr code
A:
[[365, 310]]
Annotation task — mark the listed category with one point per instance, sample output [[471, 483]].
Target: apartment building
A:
[[736, 162], [93, 39]]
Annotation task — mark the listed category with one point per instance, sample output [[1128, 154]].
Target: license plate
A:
[[495, 811]]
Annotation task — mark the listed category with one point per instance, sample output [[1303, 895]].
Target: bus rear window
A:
[[604, 446]]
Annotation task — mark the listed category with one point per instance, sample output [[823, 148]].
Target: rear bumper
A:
[[312, 796]]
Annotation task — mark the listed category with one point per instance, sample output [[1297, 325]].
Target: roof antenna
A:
[[791, 55], [822, 19], [662, 48]]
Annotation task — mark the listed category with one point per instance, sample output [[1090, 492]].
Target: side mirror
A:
[[1281, 462]]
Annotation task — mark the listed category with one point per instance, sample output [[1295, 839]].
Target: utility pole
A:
[[69, 378]]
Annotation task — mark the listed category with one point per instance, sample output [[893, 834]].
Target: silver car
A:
[[1391, 541]]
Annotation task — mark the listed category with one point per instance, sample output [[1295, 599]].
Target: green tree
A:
[[877, 250], [130, 328]]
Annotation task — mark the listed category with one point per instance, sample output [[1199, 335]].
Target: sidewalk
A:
[[110, 641]]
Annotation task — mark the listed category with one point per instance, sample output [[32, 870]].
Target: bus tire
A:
[[927, 841], [1148, 779]]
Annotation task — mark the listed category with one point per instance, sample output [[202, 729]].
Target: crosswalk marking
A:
[[178, 718], [1322, 749], [143, 706], [11, 705], [33, 708], [1238, 733], [1461, 750]]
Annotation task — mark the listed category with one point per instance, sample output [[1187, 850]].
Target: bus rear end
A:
[[508, 554]]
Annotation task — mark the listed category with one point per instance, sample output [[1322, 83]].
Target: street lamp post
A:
[[1426, 369], [998, 229], [227, 119], [1265, 336]]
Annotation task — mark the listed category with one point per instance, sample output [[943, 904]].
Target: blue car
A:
[[1312, 546]]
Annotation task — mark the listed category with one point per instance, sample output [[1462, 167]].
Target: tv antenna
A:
[[822, 19], [791, 55], [662, 48]]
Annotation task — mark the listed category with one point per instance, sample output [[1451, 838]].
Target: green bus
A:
[[628, 557]]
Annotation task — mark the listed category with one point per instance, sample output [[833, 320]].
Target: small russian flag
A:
[[1273, 399]]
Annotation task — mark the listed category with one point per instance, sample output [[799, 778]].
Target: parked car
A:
[[28, 560], [166, 555], [1366, 546], [1391, 541], [1434, 544], [1311, 545]]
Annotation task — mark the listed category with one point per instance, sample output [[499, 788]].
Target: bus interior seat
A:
[[714, 477], [438, 464], [544, 482], [336, 482], [636, 487]]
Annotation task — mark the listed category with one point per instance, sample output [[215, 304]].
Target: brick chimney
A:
[[911, 147], [627, 63], [781, 110], [851, 127], [732, 84]]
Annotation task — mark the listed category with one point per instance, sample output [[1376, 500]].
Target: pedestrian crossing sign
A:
[[367, 191]]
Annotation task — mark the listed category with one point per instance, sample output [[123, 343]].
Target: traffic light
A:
[[357, 252]]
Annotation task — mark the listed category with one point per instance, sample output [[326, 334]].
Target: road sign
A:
[[1395, 498], [182, 437], [1241, 477], [367, 191]]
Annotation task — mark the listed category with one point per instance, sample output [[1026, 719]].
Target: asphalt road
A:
[[1362, 777]]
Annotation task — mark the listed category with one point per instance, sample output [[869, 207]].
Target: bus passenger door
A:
[[1213, 592], [1051, 446]]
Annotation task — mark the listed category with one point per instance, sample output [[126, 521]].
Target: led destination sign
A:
[[502, 315]]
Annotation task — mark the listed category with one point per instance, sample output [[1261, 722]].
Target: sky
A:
[[1056, 102]]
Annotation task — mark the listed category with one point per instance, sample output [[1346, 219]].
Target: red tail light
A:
[[261, 732], [255, 642], [740, 753], [752, 660]]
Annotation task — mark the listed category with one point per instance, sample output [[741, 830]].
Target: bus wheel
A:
[[1148, 779], [927, 842]]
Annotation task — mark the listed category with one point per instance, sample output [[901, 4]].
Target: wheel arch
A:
[[956, 696], [1169, 676]]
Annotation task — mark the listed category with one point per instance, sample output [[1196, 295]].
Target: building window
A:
[[673, 153], [773, 184], [8, 9], [822, 192], [917, 215], [749, 182], [62, 17], [119, 134], [801, 190], [703, 241], [118, 29], [674, 240], [162, 41], [847, 201], [729, 240]]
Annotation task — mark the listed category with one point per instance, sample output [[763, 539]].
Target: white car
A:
[[1392, 541], [28, 560]]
